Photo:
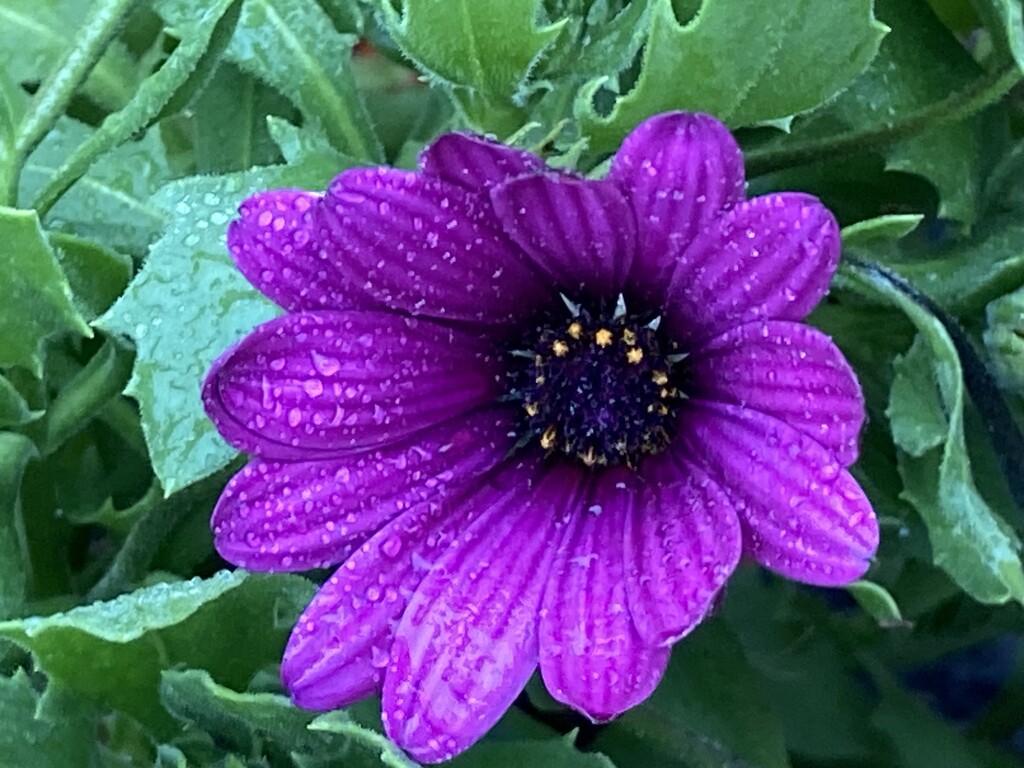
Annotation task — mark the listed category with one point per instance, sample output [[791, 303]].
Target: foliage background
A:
[[131, 129]]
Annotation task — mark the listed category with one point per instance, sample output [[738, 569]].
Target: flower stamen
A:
[[600, 388]]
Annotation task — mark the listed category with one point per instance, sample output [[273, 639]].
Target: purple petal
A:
[[768, 258], [803, 515], [787, 370], [679, 170], [591, 656], [426, 247], [341, 644], [468, 642], [274, 245], [321, 384], [580, 233], [683, 541], [474, 162], [296, 516]]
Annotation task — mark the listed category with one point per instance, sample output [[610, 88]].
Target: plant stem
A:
[[53, 96]]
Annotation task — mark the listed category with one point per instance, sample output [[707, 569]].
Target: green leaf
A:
[[292, 45], [12, 107], [549, 753], [364, 740], [805, 52], [113, 652], [97, 276], [37, 299], [15, 453], [919, 63], [599, 44], [235, 139], [881, 228], [919, 423], [110, 204], [209, 29], [710, 709], [1005, 21], [243, 720], [1004, 339], [35, 35], [486, 46], [42, 732], [877, 602], [969, 540], [14, 411], [186, 307]]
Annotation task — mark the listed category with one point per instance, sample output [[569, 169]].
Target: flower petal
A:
[[768, 258], [467, 643], [426, 247], [591, 656], [580, 233], [683, 541], [474, 162], [321, 384], [803, 515], [787, 370], [341, 644], [296, 516], [679, 170], [274, 245]]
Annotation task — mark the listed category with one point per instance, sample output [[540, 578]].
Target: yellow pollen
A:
[[589, 457], [575, 330], [629, 336], [635, 355], [547, 440], [660, 378], [603, 337], [665, 393], [531, 408], [560, 348]]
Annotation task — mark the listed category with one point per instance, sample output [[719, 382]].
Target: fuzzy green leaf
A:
[[239, 719], [487, 46], [37, 298], [48, 731], [292, 45], [805, 52], [113, 652]]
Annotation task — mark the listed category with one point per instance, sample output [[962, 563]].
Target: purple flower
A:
[[535, 418]]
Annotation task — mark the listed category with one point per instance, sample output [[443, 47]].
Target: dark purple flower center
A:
[[597, 386]]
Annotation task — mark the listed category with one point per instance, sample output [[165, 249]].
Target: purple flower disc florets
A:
[[535, 419]]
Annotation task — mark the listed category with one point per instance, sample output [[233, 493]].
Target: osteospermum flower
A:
[[535, 418]]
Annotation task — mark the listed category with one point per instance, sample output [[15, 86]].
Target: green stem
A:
[[960, 105], [54, 95]]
